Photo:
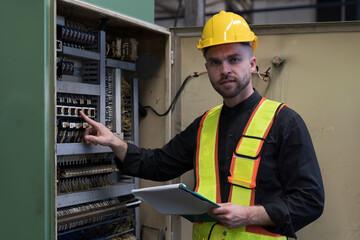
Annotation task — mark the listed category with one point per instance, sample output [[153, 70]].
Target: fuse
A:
[[65, 110], [92, 112]]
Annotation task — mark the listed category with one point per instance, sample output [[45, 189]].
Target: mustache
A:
[[225, 77]]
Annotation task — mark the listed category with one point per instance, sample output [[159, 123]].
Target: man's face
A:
[[229, 68]]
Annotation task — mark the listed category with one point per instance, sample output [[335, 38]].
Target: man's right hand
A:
[[97, 133]]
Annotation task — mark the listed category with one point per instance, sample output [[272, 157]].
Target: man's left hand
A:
[[233, 215]]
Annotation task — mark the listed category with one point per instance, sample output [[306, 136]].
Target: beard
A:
[[231, 91]]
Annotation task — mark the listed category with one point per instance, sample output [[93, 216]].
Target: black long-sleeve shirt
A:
[[289, 183]]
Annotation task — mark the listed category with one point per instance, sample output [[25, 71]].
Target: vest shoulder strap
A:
[[246, 157], [207, 176]]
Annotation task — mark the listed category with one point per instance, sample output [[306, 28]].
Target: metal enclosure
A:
[[27, 116], [91, 193], [30, 95], [129, 8]]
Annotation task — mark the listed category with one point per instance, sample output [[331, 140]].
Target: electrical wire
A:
[[211, 229], [195, 74], [263, 76], [178, 12], [126, 115]]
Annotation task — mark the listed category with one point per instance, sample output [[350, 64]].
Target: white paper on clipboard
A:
[[175, 199]]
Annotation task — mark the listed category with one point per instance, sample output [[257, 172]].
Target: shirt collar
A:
[[247, 104]]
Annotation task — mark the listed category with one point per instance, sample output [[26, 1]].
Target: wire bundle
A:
[[126, 103], [84, 183], [109, 105]]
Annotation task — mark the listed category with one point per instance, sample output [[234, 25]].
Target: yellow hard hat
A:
[[226, 27]]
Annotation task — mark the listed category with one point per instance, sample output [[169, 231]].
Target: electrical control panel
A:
[[95, 74]]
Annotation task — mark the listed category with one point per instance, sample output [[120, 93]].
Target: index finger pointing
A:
[[87, 119]]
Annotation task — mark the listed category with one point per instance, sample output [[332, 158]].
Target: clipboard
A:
[[177, 199]]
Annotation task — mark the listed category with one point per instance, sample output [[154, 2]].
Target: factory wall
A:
[[318, 80]]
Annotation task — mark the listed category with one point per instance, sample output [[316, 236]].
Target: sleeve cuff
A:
[[122, 165], [279, 214]]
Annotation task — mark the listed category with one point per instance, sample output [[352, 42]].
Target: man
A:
[[251, 155]]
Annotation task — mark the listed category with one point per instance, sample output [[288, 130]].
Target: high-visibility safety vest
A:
[[244, 168]]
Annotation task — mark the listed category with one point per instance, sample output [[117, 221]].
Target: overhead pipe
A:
[[320, 5]]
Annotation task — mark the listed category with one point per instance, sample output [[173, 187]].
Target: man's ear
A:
[[253, 64]]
